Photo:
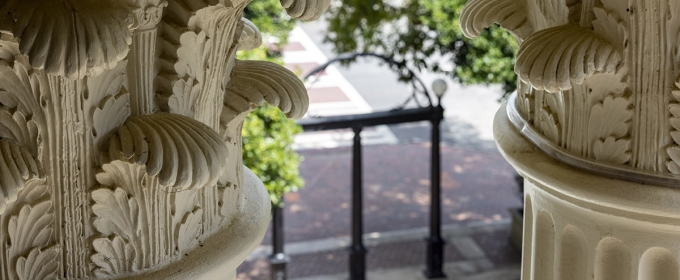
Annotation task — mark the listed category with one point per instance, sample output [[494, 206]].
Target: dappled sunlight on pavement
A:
[[478, 188]]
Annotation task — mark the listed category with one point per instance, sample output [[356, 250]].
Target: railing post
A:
[[435, 242], [278, 259], [357, 256]]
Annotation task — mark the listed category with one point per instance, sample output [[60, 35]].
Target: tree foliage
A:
[[267, 133], [270, 18], [422, 33]]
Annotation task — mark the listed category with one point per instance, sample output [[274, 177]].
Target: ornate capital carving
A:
[[598, 78], [119, 154], [149, 16]]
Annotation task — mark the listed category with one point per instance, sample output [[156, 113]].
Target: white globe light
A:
[[439, 87]]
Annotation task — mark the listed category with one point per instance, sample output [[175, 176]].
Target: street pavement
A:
[[478, 186]]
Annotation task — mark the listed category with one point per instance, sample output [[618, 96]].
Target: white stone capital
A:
[[120, 137]]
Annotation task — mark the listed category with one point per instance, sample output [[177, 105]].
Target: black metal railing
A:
[[435, 114], [357, 260]]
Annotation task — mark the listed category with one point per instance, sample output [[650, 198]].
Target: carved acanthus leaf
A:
[[106, 85], [549, 125], [675, 121], [30, 228], [39, 264], [187, 216], [612, 150], [673, 164], [183, 99], [17, 166], [554, 58], [113, 256], [182, 152], [621, 9], [17, 126], [509, 14], [306, 9], [254, 82], [187, 233], [608, 125], [116, 213], [189, 68], [71, 38], [193, 54], [674, 154], [611, 117], [185, 202], [112, 113], [109, 101], [610, 26], [35, 189], [21, 113]]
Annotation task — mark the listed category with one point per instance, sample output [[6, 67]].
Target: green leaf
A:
[[417, 30]]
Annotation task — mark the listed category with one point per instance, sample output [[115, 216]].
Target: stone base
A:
[[580, 225]]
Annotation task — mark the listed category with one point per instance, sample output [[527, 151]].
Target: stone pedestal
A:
[[578, 224]]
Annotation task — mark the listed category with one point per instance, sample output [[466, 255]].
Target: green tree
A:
[[420, 33], [267, 133]]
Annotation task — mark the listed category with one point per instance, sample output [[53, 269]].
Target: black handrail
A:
[[365, 120]]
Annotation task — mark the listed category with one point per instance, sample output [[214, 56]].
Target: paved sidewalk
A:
[[480, 251], [477, 189]]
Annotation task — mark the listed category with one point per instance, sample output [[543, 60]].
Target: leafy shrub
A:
[[267, 151]]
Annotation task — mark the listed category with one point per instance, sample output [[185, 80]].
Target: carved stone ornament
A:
[[599, 80], [120, 137], [594, 128]]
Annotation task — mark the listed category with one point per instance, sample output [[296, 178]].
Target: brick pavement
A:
[[477, 189]]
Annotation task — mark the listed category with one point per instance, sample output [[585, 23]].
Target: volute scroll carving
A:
[[306, 9], [149, 15], [480, 14], [66, 37], [120, 136], [181, 151]]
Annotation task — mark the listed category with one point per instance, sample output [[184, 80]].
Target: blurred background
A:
[[366, 63]]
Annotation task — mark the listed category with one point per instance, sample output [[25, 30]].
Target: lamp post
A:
[[278, 260], [435, 242]]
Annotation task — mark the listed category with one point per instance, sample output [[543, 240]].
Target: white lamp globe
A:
[[439, 87]]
